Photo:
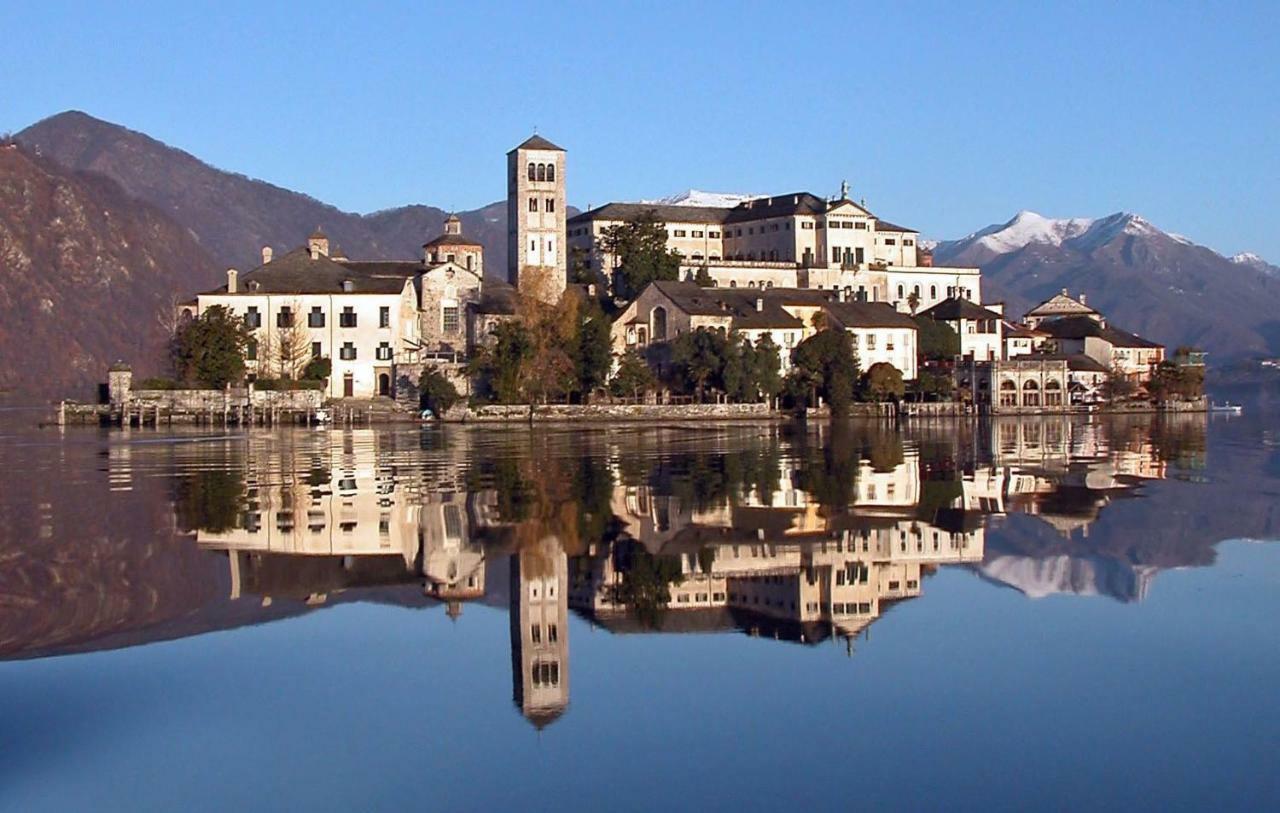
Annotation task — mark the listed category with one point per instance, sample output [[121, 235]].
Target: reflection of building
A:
[[540, 631]]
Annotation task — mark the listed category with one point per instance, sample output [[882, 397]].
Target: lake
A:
[[1052, 612]]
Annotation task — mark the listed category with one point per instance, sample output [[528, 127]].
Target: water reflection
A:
[[799, 535]]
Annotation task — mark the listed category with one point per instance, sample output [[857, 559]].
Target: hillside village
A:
[[660, 302]]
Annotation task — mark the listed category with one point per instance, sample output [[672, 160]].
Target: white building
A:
[[790, 241]]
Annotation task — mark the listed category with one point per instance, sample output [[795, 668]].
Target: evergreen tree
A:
[[640, 247], [827, 364], [633, 377], [210, 349]]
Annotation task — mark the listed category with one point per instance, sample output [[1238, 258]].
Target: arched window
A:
[[902, 292], [1008, 393], [1030, 394], [532, 172], [1053, 392], [542, 172], [659, 319], [916, 290], [551, 172], [933, 292]]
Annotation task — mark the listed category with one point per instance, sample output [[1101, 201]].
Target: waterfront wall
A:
[[205, 400], [611, 412]]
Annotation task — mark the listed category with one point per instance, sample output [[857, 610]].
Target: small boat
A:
[[1227, 408], [323, 416]]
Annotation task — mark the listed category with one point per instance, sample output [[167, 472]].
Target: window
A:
[[551, 172], [889, 241], [316, 317], [285, 317], [532, 172], [542, 172], [252, 318], [908, 242], [348, 317], [835, 254], [681, 233], [533, 204], [751, 230], [713, 234], [846, 225], [384, 316], [251, 351], [535, 633], [553, 634], [348, 352], [316, 351], [806, 225], [450, 319], [549, 205], [383, 353], [696, 234], [860, 225], [871, 341]]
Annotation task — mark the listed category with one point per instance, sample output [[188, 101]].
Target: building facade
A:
[[537, 254]]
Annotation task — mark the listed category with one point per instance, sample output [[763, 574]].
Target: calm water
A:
[[1045, 612]]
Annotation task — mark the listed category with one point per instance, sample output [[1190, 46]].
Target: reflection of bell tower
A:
[[540, 632]]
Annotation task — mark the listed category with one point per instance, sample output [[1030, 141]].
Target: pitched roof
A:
[[1060, 304], [535, 142], [1013, 330], [451, 240], [793, 203], [497, 297], [884, 225], [382, 268], [666, 212], [298, 273], [748, 309], [1078, 362], [954, 308], [869, 314], [1080, 327]]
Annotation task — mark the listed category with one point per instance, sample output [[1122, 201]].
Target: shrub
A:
[[318, 369]]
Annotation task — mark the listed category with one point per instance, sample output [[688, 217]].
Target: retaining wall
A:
[[612, 412]]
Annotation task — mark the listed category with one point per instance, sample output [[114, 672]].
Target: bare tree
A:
[[290, 344]]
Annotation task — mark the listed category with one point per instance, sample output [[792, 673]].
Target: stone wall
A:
[[613, 412], [205, 400]]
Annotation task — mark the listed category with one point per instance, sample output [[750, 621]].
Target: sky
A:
[[945, 117]]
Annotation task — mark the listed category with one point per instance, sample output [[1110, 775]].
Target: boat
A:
[[1227, 408], [322, 416]]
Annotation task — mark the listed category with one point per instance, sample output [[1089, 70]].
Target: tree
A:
[[913, 301], [289, 347], [883, 382], [592, 357], [497, 369], [1118, 386], [1176, 381], [766, 369], [640, 249], [934, 385], [210, 349], [318, 369], [633, 376], [436, 392], [699, 359], [826, 363], [937, 341], [703, 278]]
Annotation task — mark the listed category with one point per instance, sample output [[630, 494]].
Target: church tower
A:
[[540, 631], [536, 244]]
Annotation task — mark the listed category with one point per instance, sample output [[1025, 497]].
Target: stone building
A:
[[981, 329], [537, 252]]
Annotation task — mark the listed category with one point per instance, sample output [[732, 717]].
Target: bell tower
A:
[[536, 244]]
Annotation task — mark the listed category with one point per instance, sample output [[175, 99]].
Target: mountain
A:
[[85, 274], [233, 216], [1160, 285], [1250, 260], [696, 197]]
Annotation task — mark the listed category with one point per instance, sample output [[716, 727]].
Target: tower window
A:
[[533, 204], [551, 172], [532, 172], [550, 205], [542, 172]]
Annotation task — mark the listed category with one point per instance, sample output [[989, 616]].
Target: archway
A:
[[384, 384]]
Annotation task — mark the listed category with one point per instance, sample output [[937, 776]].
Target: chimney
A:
[[1084, 299], [347, 286], [231, 280], [759, 304], [795, 198], [1064, 292], [840, 294], [266, 254]]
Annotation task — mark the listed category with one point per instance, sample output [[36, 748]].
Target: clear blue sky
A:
[[945, 117]]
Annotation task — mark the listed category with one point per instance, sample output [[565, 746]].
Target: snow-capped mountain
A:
[[1081, 576], [1157, 284], [1250, 260], [696, 197]]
